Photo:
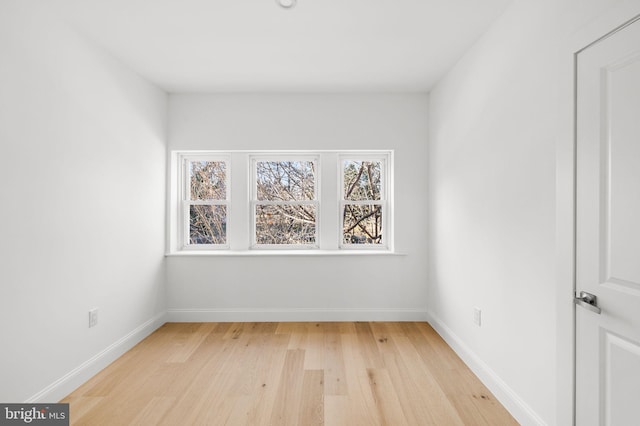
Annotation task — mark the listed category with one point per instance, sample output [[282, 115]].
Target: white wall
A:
[[494, 131], [82, 216], [308, 287]]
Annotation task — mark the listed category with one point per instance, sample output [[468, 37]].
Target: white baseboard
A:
[[518, 408], [287, 315], [79, 375]]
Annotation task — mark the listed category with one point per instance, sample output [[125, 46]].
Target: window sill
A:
[[258, 253]]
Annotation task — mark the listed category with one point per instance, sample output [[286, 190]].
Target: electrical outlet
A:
[[93, 317], [477, 316]]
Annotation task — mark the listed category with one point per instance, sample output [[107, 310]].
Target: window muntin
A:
[[363, 203], [285, 202], [205, 202]]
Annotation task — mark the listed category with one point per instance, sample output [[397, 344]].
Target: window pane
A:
[[362, 224], [362, 180], [285, 224], [208, 180], [207, 224], [285, 180]]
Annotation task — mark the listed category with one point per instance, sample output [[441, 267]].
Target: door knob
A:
[[588, 300]]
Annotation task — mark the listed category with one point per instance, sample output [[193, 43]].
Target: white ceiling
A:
[[257, 46]]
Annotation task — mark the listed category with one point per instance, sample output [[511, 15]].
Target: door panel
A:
[[621, 389], [622, 235], [608, 229]]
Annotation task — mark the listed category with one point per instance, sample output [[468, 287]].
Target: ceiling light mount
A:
[[287, 4]]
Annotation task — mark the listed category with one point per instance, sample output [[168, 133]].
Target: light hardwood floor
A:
[[288, 374]]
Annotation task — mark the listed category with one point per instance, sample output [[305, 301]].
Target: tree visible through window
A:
[[362, 202], [285, 203], [207, 202], [233, 202]]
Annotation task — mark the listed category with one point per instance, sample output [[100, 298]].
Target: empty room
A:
[[320, 212]]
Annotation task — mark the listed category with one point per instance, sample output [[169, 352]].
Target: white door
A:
[[608, 230]]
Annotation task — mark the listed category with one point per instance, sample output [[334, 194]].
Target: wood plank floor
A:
[[288, 374]]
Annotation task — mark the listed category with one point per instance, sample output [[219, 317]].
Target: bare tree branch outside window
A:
[[362, 221], [207, 220], [287, 214]]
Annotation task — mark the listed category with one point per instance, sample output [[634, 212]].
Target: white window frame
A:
[[385, 182], [241, 202], [186, 202], [253, 179]]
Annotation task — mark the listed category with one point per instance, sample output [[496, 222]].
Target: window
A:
[[242, 201], [363, 202], [284, 202], [205, 202]]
